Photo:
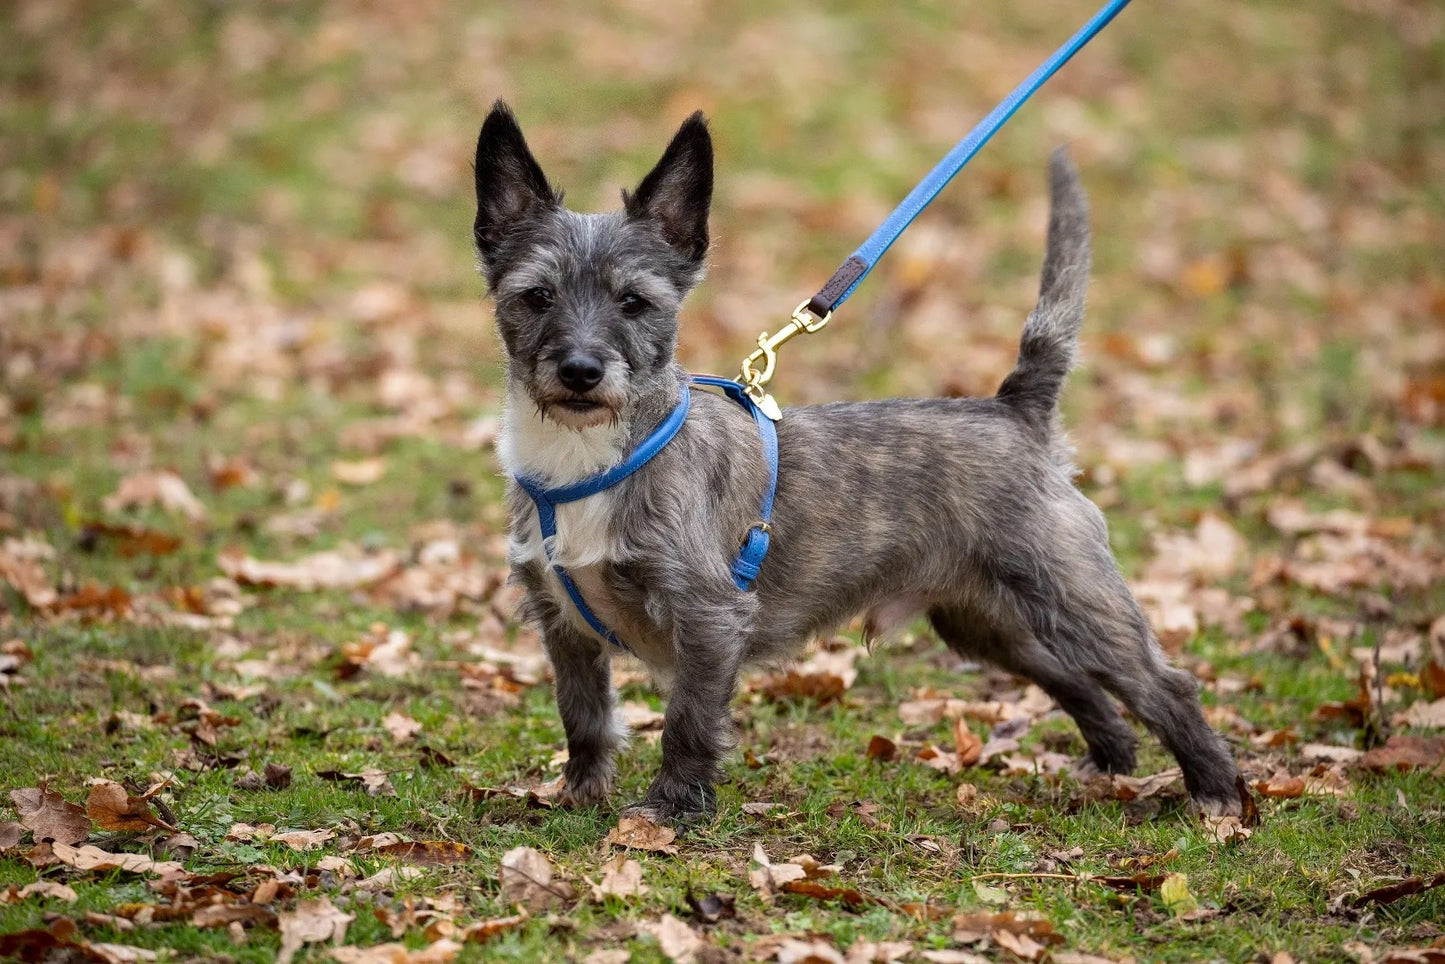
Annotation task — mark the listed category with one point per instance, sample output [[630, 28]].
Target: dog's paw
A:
[[676, 807], [585, 788], [1217, 807]]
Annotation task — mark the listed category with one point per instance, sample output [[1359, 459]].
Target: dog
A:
[[960, 510]]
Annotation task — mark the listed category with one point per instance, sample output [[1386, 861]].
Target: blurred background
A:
[[241, 230]]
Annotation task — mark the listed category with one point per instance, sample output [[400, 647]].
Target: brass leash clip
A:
[[754, 379]]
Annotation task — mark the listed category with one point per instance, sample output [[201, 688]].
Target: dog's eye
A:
[[632, 303], [538, 298]]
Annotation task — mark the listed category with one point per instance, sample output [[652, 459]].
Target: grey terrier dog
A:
[[963, 510]]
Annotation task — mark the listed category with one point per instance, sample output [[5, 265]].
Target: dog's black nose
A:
[[580, 372]]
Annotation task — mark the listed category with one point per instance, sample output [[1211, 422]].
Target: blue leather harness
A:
[[749, 559]]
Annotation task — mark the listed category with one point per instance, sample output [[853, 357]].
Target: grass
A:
[[242, 235]]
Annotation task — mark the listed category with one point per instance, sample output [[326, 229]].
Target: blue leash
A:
[[852, 272], [749, 559]]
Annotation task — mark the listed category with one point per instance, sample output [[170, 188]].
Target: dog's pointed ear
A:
[[510, 182], [677, 192]]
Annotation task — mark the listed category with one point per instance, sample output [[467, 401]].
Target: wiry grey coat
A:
[[963, 510]]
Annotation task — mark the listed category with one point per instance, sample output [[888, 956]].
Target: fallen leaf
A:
[[1281, 785], [1422, 715], [970, 747], [112, 807], [1174, 892], [950, 955], [50, 816], [162, 488], [678, 941], [882, 952], [621, 877], [438, 952], [1404, 751], [639, 833], [304, 839], [376, 783], [1405, 888], [435, 852], [1139, 788], [527, 879], [640, 716], [817, 950], [823, 677], [881, 748], [767, 878], [129, 541], [42, 888], [487, 929], [401, 727], [359, 472], [334, 569], [973, 927], [93, 858], [312, 922]]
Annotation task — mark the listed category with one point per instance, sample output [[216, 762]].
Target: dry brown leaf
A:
[[401, 727], [824, 676], [1138, 788], [1405, 751], [881, 748], [1396, 891], [1020, 945], [304, 839], [312, 922], [438, 952], [949, 955], [640, 717], [1422, 715], [358, 472], [813, 950], [639, 833], [376, 783], [111, 807], [93, 858], [42, 888], [768, 878], [1281, 785], [677, 940], [882, 952], [621, 877], [487, 929], [932, 756], [333, 569], [162, 488], [972, 927], [527, 879], [50, 816], [435, 852], [11, 834], [970, 747]]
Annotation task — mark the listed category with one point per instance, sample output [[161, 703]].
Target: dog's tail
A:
[[1046, 351]]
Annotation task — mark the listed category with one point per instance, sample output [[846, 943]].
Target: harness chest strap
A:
[[745, 565]]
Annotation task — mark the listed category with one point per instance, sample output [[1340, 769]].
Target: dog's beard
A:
[[577, 413]]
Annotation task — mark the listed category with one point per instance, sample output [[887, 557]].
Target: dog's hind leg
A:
[[1111, 741]]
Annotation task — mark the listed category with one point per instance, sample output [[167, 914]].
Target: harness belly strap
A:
[[749, 559]]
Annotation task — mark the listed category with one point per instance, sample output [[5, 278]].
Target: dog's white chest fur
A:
[[555, 455]]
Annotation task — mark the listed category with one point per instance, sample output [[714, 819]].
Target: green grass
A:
[[198, 203]]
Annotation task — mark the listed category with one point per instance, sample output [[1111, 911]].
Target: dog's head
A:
[[587, 304]]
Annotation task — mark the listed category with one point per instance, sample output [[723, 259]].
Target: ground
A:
[[252, 603]]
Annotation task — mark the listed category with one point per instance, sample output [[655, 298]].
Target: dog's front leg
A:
[[585, 700], [697, 729]]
